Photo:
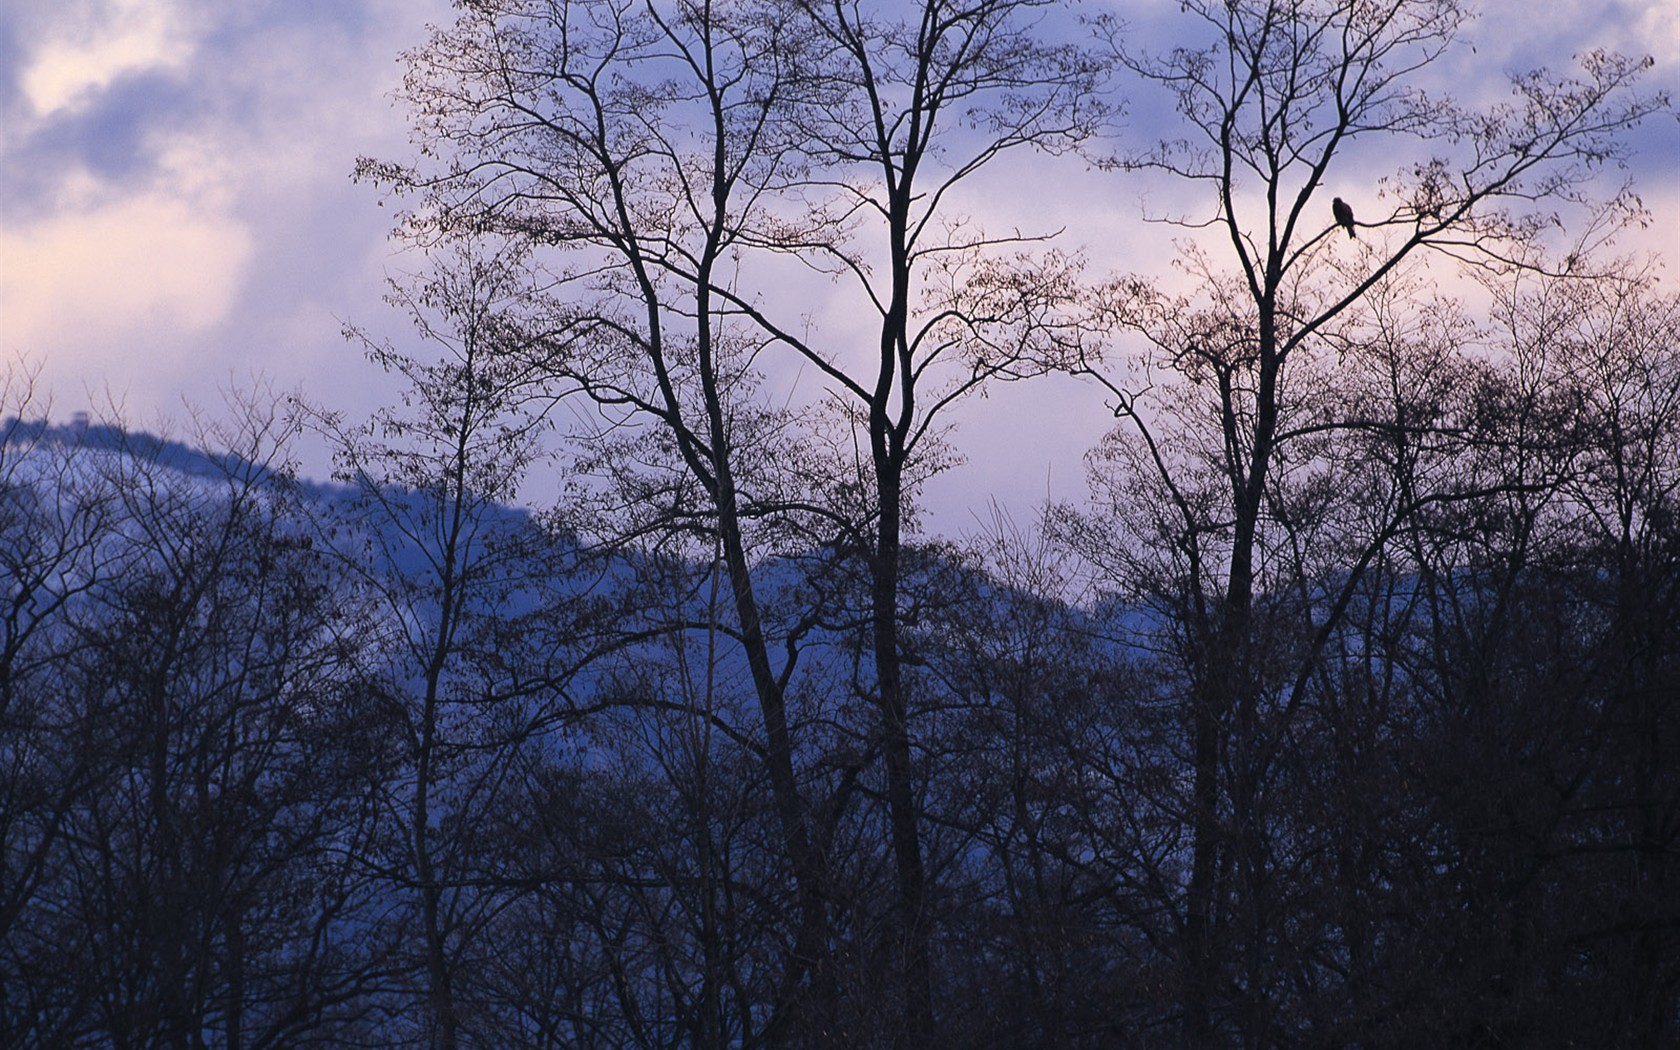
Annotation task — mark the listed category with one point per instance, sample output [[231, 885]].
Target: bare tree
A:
[[635, 136], [1275, 100], [687, 153], [188, 725], [952, 314], [54, 517], [1613, 348], [468, 593]]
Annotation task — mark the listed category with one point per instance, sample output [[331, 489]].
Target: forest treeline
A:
[[1344, 713]]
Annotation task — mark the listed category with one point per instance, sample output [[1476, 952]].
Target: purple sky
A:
[[177, 217]]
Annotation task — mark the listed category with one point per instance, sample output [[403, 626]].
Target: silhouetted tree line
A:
[[1345, 713]]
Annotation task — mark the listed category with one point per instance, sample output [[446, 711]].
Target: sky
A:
[[177, 217]]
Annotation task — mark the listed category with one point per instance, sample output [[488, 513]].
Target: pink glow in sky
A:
[[177, 217], [177, 214]]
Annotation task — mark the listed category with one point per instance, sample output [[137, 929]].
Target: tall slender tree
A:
[[1278, 103], [469, 591]]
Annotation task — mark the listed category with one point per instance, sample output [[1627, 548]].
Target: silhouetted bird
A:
[[1343, 213]]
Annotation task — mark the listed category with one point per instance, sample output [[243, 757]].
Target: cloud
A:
[[143, 261], [93, 43], [87, 288], [175, 207]]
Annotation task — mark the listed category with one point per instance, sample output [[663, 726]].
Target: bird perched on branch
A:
[[1344, 215]]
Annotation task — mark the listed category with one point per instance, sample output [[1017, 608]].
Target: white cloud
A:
[[229, 240], [86, 283], [106, 261], [1658, 32], [89, 44]]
